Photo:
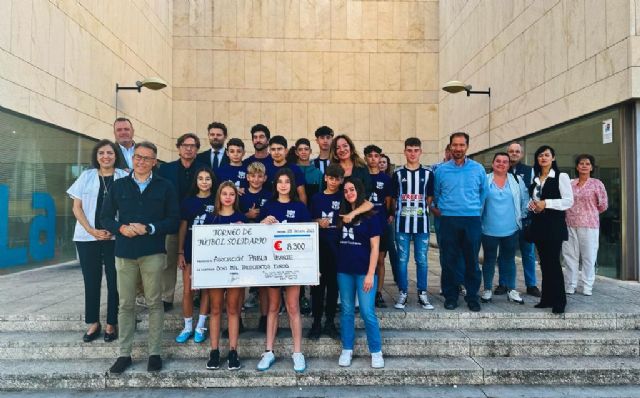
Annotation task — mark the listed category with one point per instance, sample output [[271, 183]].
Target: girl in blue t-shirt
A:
[[359, 240], [227, 211], [193, 211], [284, 207]]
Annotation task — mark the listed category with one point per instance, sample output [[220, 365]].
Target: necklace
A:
[[104, 183]]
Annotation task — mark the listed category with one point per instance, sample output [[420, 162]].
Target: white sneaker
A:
[[486, 296], [513, 295], [570, 290], [377, 361], [345, 358], [299, 364], [267, 360], [587, 292], [423, 300], [401, 302]]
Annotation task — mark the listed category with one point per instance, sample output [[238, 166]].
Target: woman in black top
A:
[[551, 195]]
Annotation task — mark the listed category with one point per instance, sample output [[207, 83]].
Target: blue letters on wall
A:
[[42, 231]]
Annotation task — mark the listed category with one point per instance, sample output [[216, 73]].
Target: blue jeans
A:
[[350, 285], [527, 251], [420, 248], [460, 235], [504, 248], [392, 251]]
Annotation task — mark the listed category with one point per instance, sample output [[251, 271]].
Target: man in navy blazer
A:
[[181, 174], [215, 157]]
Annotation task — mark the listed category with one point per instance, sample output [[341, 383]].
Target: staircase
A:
[[421, 348], [596, 342]]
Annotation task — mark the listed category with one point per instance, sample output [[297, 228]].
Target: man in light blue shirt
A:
[[460, 191]]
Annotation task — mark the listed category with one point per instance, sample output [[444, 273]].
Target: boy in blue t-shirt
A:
[[325, 206], [254, 197], [235, 171], [381, 199]]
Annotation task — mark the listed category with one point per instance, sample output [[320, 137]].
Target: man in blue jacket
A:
[[140, 210]]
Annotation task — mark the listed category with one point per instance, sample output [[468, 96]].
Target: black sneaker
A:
[[533, 291], [262, 324], [450, 305], [500, 290], [315, 331], [155, 363], [380, 301], [234, 362], [167, 306], [473, 306], [214, 360], [122, 363], [305, 306], [331, 330]]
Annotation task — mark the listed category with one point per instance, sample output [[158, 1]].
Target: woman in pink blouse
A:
[[583, 223]]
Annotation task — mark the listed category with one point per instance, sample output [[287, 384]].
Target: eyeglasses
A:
[[145, 159], [189, 146]]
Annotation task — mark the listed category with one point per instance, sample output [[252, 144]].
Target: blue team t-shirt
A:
[[194, 211], [381, 190], [293, 211], [272, 169], [354, 245], [253, 158], [327, 206], [222, 220], [235, 174], [250, 199]]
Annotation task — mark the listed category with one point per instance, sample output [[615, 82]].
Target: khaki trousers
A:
[[129, 271], [170, 271]]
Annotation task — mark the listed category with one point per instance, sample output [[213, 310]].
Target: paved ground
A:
[[631, 391], [59, 290]]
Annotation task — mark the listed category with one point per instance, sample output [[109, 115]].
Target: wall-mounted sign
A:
[[607, 131]]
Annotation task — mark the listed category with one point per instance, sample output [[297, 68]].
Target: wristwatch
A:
[[148, 229]]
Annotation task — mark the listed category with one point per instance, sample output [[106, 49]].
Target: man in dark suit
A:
[[123, 133], [216, 156], [180, 174]]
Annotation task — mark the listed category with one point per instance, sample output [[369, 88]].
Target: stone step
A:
[[449, 343], [389, 319], [189, 373]]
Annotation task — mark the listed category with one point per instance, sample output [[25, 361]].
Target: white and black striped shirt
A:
[[321, 164], [411, 188]]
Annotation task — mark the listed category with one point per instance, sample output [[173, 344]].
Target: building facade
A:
[[372, 69]]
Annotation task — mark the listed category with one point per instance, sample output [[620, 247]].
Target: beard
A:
[[216, 145], [259, 146]]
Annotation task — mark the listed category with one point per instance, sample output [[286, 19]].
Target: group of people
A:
[[136, 220]]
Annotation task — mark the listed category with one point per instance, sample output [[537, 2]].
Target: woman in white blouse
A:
[[551, 195], [95, 244]]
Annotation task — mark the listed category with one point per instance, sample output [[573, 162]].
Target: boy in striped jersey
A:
[[412, 192]]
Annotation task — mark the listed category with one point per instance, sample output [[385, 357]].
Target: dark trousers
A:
[[328, 282], [460, 235], [459, 267], [92, 256], [553, 293]]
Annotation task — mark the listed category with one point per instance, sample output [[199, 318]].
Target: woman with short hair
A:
[[96, 245], [583, 224]]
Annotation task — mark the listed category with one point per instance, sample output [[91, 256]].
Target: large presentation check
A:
[[240, 255]]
